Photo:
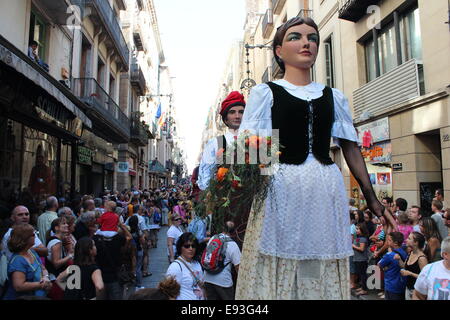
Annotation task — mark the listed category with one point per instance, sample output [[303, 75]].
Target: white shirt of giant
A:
[[208, 161]]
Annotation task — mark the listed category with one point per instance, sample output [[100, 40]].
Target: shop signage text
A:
[[85, 155], [397, 166], [122, 167], [379, 153], [6, 55]]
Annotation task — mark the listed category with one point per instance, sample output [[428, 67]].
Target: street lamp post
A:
[[249, 83]]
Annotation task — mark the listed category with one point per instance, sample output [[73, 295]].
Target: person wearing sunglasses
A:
[[174, 232], [187, 270]]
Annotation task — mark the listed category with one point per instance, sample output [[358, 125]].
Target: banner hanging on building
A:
[[373, 132]]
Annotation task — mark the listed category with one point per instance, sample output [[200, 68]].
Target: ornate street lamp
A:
[[249, 83]]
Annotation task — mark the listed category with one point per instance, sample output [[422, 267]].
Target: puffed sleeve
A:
[[343, 123], [207, 164], [257, 115]]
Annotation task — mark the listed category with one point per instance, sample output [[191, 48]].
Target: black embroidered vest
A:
[[291, 116]]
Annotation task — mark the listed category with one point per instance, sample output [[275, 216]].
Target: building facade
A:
[[78, 111]]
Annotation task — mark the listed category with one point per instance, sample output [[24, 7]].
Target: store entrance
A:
[[430, 157]]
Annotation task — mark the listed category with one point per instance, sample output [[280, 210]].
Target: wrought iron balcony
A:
[[305, 13], [265, 77], [267, 24], [137, 79], [108, 119], [354, 10], [277, 73], [277, 6], [385, 93], [138, 35], [139, 133], [57, 10], [104, 15]]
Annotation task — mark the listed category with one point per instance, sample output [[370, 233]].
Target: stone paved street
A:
[[158, 261]]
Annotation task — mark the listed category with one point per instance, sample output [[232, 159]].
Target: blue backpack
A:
[[156, 217]]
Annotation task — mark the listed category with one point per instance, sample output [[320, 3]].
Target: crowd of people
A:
[[108, 238], [404, 253]]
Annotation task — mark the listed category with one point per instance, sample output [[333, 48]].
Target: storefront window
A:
[[39, 163], [10, 159]]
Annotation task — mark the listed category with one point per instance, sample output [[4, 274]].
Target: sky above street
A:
[[196, 37]]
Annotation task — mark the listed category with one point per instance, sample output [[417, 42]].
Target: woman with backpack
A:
[[187, 270], [154, 223]]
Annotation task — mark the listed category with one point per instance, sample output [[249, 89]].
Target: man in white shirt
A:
[[231, 111], [21, 215], [220, 286], [139, 212], [414, 215], [433, 282]]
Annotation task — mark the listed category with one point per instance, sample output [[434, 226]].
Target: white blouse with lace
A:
[[306, 214]]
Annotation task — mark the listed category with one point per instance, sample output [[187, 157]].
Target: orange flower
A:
[[254, 141], [220, 152], [221, 174]]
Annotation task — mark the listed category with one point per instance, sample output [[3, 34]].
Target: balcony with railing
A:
[[138, 34], [58, 10], [103, 15], [267, 23], [277, 73], [137, 79], [277, 6], [354, 10], [109, 121], [305, 13], [138, 131], [387, 92], [265, 76]]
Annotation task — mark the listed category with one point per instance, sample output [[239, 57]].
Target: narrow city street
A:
[[158, 263], [315, 132]]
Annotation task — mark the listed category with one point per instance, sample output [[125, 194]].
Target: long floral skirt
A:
[[263, 277]]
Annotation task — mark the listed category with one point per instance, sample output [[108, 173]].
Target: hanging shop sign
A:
[[397, 167], [45, 96], [373, 132], [123, 167], [381, 152], [85, 155]]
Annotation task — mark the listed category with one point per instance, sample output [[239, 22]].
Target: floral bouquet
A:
[[241, 179]]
